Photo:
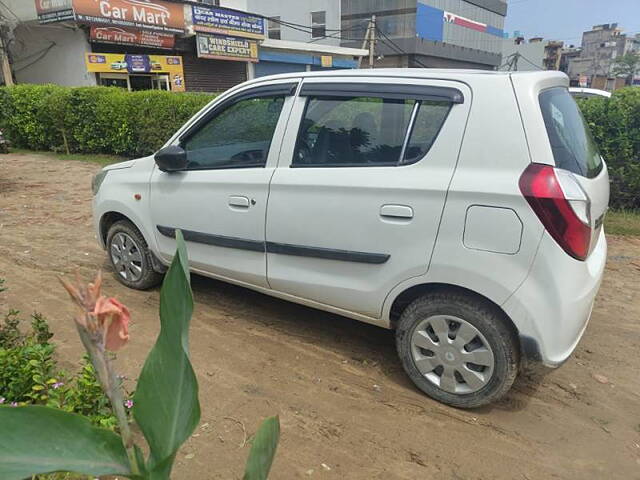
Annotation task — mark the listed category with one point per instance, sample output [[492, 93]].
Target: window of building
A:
[[318, 24], [238, 137], [367, 131], [273, 27], [209, 2]]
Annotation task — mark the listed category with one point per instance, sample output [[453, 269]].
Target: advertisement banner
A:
[[138, 64], [226, 22], [50, 11], [130, 36], [227, 48], [151, 15]]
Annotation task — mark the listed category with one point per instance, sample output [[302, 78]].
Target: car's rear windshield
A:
[[571, 142]]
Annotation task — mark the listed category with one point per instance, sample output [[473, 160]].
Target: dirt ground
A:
[[347, 409]]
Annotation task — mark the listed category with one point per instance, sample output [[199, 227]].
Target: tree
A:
[[626, 66]]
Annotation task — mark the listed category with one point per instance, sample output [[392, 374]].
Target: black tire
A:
[[148, 277], [486, 319]]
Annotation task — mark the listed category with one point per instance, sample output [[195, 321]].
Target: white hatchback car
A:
[[463, 209]]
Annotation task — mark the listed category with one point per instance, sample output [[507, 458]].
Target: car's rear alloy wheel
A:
[[458, 348], [452, 354]]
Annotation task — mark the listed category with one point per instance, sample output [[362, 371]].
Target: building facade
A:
[[431, 33], [536, 54], [161, 44], [593, 64]]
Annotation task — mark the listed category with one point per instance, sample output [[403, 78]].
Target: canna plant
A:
[[38, 440]]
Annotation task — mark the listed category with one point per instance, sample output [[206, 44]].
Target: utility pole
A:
[[369, 39], [4, 57], [372, 41]]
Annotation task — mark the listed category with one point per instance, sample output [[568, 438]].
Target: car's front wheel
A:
[[130, 256], [457, 349]]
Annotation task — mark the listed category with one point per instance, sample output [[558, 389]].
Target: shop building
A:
[[156, 44], [429, 33]]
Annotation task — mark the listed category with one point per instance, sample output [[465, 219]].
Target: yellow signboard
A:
[[138, 64], [326, 61]]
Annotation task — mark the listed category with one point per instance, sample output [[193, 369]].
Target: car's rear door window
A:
[[571, 142], [367, 131]]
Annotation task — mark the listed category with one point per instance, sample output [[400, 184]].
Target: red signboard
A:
[[147, 14], [130, 36]]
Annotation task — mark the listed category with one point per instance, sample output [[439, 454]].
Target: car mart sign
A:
[[226, 22], [138, 64], [152, 15], [130, 36]]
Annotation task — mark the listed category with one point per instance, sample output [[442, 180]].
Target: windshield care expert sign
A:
[[227, 48]]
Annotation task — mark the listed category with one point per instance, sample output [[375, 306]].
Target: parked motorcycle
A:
[[4, 144]]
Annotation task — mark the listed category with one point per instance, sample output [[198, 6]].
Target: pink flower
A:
[[113, 319], [2, 400], [128, 403]]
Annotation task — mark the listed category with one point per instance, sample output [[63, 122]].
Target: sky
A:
[[567, 19]]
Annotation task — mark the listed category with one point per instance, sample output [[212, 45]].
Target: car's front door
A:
[[219, 201], [356, 200]]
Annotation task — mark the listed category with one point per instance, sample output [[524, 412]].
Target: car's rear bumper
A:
[[552, 307]]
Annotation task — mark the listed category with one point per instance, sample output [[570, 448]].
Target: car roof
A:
[[463, 75]]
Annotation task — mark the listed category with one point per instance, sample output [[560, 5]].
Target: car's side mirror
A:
[[171, 159]]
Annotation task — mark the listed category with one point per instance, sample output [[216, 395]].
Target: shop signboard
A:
[[151, 15], [326, 61], [138, 64], [226, 22], [50, 11], [227, 48], [131, 36]]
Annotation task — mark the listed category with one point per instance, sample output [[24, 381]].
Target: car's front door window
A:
[[239, 136]]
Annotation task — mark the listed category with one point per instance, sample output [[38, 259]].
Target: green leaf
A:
[[263, 450], [166, 405], [38, 440]]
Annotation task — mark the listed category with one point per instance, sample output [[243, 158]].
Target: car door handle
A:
[[239, 201], [396, 211]]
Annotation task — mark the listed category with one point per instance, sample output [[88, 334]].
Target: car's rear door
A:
[[356, 199]]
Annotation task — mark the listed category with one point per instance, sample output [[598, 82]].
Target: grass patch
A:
[[99, 158], [623, 222]]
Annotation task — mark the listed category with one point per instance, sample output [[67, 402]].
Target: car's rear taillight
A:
[[561, 205]]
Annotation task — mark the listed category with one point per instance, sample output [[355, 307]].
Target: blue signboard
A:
[[429, 22], [226, 22]]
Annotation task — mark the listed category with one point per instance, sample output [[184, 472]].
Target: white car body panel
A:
[[473, 166]]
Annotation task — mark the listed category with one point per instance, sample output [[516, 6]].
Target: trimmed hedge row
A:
[[615, 124], [114, 121], [94, 119]]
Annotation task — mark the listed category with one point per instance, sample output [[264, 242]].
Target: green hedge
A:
[[114, 121], [615, 124], [94, 119]]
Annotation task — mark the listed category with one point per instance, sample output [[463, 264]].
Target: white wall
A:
[[51, 54], [534, 52], [25, 10], [294, 11]]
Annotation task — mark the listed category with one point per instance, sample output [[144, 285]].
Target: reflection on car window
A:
[[365, 131], [571, 142], [431, 117], [239, 136]]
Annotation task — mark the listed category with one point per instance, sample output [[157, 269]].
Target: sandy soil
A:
[[346, 407]]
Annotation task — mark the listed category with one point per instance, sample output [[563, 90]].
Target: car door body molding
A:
[[278, 248]]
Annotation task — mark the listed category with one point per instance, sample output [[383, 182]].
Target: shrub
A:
[[615, 124], [94, 119], [29, 373]]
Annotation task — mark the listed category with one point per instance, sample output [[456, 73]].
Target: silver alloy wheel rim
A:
[[126, 257], [452, 354]]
